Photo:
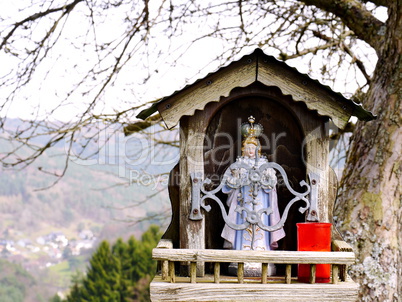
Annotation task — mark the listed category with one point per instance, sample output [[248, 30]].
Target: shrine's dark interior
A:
[[282, 142]]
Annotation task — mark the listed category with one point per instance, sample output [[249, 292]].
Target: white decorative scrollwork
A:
[[245, 173]]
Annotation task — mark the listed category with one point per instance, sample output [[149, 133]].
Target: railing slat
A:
[[172, 272], [217, 272], [277, 257], [264, 273], [165, 269], [193, 272], [240, 272], [313, 269], [288, 276], [335, 274]]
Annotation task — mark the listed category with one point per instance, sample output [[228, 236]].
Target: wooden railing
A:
[[168, 256]]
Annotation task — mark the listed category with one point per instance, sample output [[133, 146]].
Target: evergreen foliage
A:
[[118, 273], [15, 282]]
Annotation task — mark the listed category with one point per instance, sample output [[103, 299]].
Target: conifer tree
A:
[[118, 273], [103, 279]]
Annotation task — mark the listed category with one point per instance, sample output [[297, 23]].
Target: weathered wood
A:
[[238, 74], [303, 89], [192, 233], [172, 272], [342, 246], [335, 274], [277, 257], [313, 270], [264, 273], [273, 292], [217, 272], [240, 272], [165, 269], [193, 272], [288, 276], [266, 70], [165, 244]]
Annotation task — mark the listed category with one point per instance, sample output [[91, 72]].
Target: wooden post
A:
[[193, 272], [335, 274], [264, 273], [165, 244], [313, 269], [288, 276], [217, 272], [192, 232], [240, 272], [172, 272], [317, 149], [165, 269], [343, 272]]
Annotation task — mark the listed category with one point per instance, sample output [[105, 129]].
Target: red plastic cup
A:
[[314, 236]]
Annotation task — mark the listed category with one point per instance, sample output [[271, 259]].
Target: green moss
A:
[[374, 202]]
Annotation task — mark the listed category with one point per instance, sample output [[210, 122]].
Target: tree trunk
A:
[[369, 207]]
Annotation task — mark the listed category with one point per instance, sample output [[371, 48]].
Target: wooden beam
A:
[[274, 292], [277, 257]]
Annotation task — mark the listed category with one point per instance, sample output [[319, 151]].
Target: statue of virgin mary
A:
[[253, 197]]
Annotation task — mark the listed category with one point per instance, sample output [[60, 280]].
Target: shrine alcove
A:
[[281, 142]]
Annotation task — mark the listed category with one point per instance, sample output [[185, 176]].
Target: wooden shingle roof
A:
[[257, 67]]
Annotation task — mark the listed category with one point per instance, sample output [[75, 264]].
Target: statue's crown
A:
[[251, 129]]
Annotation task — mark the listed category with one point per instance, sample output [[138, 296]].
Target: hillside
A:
[[52, 232]]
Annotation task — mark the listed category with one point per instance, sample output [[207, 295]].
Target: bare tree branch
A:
[[66, 9], [356, 17], [342, 44]]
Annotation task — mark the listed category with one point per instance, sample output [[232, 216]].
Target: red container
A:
[[314, 236]]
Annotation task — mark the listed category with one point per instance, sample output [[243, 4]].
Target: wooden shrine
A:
[[295, 113]]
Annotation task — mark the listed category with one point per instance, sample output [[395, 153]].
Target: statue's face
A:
[[249, 150]]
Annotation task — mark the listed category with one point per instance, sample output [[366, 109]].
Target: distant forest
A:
[[97, 197]]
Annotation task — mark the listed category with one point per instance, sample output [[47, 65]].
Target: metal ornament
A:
[[246, 172]]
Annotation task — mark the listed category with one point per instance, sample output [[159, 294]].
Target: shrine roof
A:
[[257, 67]]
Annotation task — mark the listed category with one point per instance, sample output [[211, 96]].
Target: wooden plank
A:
[[303, 89], [210, 89], [277, 257], [274, 292]]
